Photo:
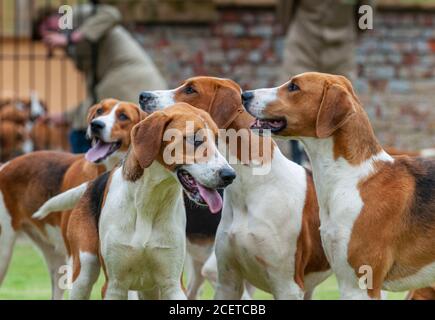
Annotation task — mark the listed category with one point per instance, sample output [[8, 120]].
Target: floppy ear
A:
[[336, 108], [92, 111], [142, 114], [147, 137], [226, 104]]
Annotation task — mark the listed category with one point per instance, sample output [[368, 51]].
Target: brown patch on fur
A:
[[11, 113], [310, 256], [131, 169], [395, 231], [106, 277], [12, 137], [422, 294], [200, 239], [392, 151], [30, 180], [49, 136], [221, 98]]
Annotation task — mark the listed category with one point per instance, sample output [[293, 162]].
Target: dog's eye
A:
[[195, 141], [293, 87], [100, 111], [189, 90], [123, 117]]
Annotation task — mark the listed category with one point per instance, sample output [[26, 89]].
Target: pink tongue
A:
[[98, 151], [212, 197]]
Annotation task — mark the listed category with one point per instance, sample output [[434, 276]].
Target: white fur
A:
[[36, 109], [3, 166], [161, 99], [132, 237], [260, 221], [143, 223], [61, 202], [210, 272], [7, 237], [196, 257], [420, 279], [54, 236], [428, 153], [89, 271], [262, 98]]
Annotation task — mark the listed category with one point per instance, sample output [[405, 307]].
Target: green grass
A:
[[28, 278]]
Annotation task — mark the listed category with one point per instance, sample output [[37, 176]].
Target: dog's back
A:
[[28, 181]]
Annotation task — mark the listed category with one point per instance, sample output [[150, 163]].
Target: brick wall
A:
[[396, 63]]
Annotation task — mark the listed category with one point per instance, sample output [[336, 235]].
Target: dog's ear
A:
[[142, 114], [336, 108], [226, 104], [92, 111], [147, 138]]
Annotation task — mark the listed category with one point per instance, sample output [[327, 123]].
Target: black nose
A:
[[97, 125], [145, 97], [247, 97], [227, 176]]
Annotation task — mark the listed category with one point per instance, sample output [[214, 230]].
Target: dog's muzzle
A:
[[97, 126], [147, 101], [247, 97]]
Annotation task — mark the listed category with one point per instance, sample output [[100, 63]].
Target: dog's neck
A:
[[157, 197], [113, 160], [350, 154], [260, 150], [154, 189]]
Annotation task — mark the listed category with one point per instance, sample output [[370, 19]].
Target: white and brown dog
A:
[[269, 233], [28, 181], [138, 207], [377, 212]]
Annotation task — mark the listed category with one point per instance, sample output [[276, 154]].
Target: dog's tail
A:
[[61, 202]]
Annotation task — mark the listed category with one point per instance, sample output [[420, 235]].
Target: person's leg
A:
[[296, 152], [79, 142]]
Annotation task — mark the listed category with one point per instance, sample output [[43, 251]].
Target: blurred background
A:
[[392, 67]]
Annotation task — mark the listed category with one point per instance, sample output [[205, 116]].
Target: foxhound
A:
[[28, 181], [269, 233], [377, 212], [138, 207]]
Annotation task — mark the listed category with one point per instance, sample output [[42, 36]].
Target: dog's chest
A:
[[259, 234], [340, 205]]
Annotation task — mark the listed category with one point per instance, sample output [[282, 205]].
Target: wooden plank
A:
[[251, 3], [403, 4]]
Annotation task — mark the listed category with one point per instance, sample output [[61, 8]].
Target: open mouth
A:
[[200, 194], [101, 150], [274, 125]]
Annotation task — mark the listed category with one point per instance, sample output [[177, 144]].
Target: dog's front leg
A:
[[115, 291], [172, 291]]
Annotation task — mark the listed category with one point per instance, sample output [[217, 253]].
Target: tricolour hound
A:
[[377, 212], [138, 207]]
